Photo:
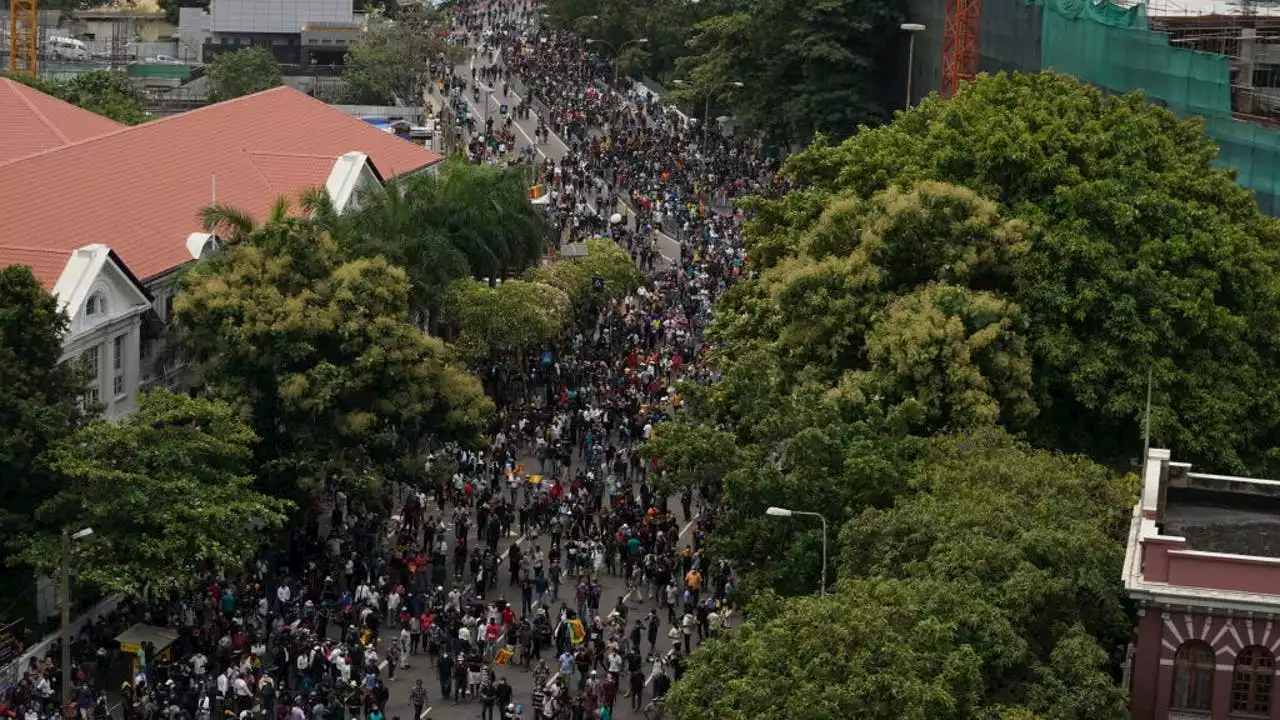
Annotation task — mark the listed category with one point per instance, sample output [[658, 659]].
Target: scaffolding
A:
[[1215, 59], [23, 35]]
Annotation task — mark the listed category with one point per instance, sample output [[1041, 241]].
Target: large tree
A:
[[105, 92], [318, 350], [462, 221], [389, 62], [243, 72], [167, 491], [1131, 257], [990, 591], [810, 66], [666, 26], [605, 272], [40, 397], [510, 319]]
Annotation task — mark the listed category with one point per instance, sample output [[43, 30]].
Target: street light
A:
[[774, 511], [617, 50], [706, 109], [68, 538], [911, 29]]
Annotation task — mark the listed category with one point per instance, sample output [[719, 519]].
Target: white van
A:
[[66, 48]]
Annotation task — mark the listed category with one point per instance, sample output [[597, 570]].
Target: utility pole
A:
[[66, 618]]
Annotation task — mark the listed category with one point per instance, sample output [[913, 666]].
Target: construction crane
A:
[[24, 32], [960, 44]]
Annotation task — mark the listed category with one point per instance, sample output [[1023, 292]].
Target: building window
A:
[[117, 364], [95, 305], [92, 359], [1193, 676], [1251, 686]]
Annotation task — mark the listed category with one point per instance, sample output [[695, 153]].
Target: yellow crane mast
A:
[[24, 34]]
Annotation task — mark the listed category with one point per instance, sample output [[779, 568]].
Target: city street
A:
[[489, 105], [519, 677]]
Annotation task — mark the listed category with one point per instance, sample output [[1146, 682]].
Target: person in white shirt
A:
[[199, 664], [224, 683], [284, 594]]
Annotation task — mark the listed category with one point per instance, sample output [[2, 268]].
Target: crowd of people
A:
[[502, 568]]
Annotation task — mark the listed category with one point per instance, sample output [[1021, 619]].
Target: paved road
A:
[[491, 101], [520, 678]]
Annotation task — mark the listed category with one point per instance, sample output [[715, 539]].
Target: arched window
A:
[[1251, 686], [95, 305], [1193, 676]]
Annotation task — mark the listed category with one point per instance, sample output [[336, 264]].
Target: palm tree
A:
[[234, 225], [391, 223]]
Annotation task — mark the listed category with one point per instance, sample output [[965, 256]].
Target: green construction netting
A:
[[1110, 46]]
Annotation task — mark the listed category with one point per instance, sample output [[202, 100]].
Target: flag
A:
[[502, 657], [537, 191], [576, 632]]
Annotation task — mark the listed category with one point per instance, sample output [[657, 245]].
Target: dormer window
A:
[[95, 305]]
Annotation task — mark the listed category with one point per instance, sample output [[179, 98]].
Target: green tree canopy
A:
[[110, 94], [105, 92], [990, 590], [243, 72], [389, 61], [318, 351], [812, 66], [513, 317], [167, 491], [462, 221], [1112, 245], [40, 397], [577, 276], [667, 26]]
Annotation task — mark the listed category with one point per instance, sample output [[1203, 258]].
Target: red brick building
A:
[[1203, 567]]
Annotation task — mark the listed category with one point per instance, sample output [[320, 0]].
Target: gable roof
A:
[[82, 271], [139, 189], [69, 274], [33, 122]]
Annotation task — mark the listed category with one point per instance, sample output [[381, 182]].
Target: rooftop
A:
[[46, 265], [1204, 539], [33, 122], [1223, 524], [139, 189]]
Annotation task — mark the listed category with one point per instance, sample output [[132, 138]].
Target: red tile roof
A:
[[32, 122], [46, 265], [286, 172], [139, 190]]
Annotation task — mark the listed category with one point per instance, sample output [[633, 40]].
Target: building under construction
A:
[[1213, 58]]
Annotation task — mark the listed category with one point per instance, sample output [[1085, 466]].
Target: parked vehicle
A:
[[67, 48]]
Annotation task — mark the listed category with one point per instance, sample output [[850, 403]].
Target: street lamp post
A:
[[68, 538], [616, 51], [911, 29], [706, 111], [775, 511]]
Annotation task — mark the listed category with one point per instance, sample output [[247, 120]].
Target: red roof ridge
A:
[[51, 251], [18, 89], [276, 153], [150, 123]]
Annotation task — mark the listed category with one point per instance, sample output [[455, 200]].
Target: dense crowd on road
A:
[[500, 569]]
